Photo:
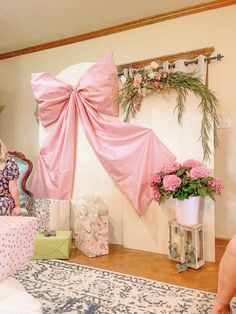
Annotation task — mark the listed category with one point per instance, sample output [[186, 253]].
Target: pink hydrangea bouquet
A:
[[185, 180]]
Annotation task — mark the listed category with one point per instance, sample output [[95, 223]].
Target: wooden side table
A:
[[186, 244]]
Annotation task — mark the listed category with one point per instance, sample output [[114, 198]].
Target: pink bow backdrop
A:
[[129, 153]]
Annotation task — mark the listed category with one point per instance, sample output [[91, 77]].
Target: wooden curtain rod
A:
[[218, 57], [189, 55]]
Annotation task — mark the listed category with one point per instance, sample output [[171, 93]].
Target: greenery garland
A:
[[136, 84]]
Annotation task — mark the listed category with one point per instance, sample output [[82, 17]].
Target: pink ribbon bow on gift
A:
[[129, 153]]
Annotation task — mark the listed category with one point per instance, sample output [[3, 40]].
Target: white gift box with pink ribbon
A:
[[17, 236]]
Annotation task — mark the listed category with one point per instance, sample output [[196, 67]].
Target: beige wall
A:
[[213, 28]]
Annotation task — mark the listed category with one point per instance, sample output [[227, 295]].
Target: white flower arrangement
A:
[[90, 205]]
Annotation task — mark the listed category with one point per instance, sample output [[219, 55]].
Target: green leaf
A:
[[194, 185], [181, 267], [202, 191], [180, 172], [182, 196]]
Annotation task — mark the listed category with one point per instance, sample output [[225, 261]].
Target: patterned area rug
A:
[[63, 288]]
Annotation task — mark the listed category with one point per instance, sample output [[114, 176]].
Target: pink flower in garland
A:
[[192, 163], [155, 179], [198, 173], [171, 182], [170, 167], [137, 104], [156, 84], [156, 194], [137, 80], [158, 76], [216, 185]]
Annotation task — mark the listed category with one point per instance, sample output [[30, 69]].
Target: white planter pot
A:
[[187, 211]]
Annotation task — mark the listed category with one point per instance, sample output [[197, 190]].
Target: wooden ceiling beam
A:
[[121, 27]]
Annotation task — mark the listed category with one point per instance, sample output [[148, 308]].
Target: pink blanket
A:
[[17, 236], [128, 152]]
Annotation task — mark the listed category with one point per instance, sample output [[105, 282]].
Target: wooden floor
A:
[[153, 266]]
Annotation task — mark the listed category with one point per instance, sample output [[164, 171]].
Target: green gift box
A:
[[57, 247]]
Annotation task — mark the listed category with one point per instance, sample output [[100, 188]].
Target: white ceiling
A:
[[25, 23]]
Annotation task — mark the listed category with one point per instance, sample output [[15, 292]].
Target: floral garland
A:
[[138, 83]]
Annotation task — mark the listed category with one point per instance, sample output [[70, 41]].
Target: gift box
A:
[[91, 225], [91, 235], [51, 214], [17, 236], [53, 247]]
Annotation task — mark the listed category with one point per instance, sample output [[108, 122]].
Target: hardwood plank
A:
[[153, 266], [222, 241]]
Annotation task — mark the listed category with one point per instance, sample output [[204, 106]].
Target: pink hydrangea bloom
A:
[[156, 194], [137, 80], [171, 182], [216, 185], [170, 167], [198, 173], [192, 163], [155, 179]]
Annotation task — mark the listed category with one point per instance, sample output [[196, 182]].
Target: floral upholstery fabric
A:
[[8, 173]]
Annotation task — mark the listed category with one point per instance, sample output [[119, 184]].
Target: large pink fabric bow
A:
[[129, 153]]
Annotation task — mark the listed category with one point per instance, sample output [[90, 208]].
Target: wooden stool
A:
[[186, 244]]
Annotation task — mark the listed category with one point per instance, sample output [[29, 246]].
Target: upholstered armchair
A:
[[25, 168]]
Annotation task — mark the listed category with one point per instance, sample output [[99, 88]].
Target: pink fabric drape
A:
[[128, 152]]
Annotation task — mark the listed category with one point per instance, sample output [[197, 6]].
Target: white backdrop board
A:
[[150, 232]]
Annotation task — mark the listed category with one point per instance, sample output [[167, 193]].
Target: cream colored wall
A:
[[213, 28]]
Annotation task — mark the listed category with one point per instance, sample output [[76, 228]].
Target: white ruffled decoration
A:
[[90, 205]]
